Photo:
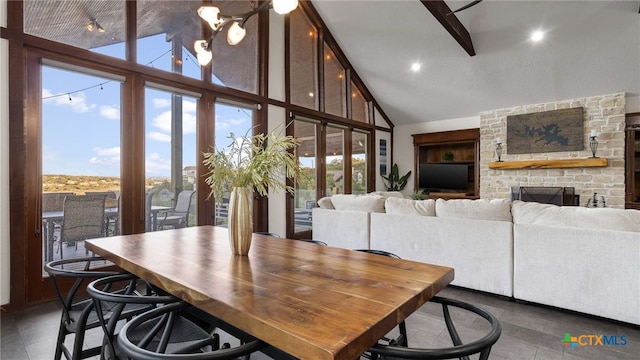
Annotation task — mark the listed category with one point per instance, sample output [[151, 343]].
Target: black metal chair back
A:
[[159, 341], [78, 315], [122, 294], [481, 347]]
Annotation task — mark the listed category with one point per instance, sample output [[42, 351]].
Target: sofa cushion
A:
[[388, 194], [394, 205], [575, 216], [369, 203], [480, 209], [325, 203]]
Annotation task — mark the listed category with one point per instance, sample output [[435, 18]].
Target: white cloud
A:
[[227, 123], [114, 151], [163, 120], [78, 102], [106, 156], [156, 165], [110, 112], [158, 136], [189, 106], [160, 103]]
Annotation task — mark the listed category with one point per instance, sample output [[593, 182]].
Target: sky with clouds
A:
[[81, 130]]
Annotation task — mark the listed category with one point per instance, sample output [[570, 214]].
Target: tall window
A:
[[359, 108], [80, 156], [334, 160], [306, 186], [359, 141], [236, 66], [170, 159], [236, 119], [334, 84], [98, 26], [166, 33], [303, 38]]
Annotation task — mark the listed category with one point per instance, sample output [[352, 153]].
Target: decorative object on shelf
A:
[[593, 143], [597, 201], [217, 21], [499, 149], [249, 163], [393, 181], [447, 156]]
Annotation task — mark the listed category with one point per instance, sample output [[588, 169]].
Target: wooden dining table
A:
[[307, 300]]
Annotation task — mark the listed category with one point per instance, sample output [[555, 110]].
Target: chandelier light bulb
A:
[[203, 53], [284, 6], [211, 15], [235, 34]]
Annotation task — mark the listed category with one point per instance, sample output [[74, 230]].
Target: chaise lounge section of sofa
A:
[[575, 258]]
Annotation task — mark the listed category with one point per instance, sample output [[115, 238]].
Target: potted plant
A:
[[257, 163], [418, 195], [447, 156], [394, 182]]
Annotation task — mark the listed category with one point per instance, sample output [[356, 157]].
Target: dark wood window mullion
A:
[[348, 149], [321, 158], [320, 72], [204, 139], [348, 93]]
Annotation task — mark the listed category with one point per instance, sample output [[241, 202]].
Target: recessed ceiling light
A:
[[415, 67], [310, 94], [537, 36]]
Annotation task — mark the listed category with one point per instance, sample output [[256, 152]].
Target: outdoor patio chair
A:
[[179, 216], [83, 219]]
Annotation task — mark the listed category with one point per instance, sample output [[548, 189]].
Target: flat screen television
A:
[[444, 177]]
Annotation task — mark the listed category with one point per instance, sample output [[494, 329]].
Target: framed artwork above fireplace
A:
[[547, 131]]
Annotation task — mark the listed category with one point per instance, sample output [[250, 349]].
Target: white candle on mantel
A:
[[593, 133], [498, 141]]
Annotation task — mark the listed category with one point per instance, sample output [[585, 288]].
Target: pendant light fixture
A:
[[236, 32]]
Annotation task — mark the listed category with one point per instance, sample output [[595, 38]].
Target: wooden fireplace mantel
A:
[[548, 164]]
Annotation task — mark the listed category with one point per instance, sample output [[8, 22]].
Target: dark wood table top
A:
[[311, 301]]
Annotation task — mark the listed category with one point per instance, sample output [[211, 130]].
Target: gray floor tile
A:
[[530, 331]]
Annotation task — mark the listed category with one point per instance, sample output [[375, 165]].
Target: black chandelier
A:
[[236, 32]]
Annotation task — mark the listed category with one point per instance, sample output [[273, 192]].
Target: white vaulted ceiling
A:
[[590, 48]]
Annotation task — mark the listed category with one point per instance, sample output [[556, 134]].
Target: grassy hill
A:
[[80, 184]]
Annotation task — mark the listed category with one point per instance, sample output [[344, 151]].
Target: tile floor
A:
[[530, 332]]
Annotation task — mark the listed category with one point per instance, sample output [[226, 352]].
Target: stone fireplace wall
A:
[[605, 114]]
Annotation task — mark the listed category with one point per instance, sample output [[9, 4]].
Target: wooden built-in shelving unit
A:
[[464, 145], [632, 156]]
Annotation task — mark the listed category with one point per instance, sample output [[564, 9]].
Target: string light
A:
[[150, 63]]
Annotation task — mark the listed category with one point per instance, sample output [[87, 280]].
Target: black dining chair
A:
[[119, 292], [150, 336], [78, 312], [459, 350], [319, 242], [272, 234]]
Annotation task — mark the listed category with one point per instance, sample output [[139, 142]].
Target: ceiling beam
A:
[[439, 9]]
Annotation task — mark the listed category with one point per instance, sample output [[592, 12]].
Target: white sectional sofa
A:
[[581, 259], [587, 260]]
